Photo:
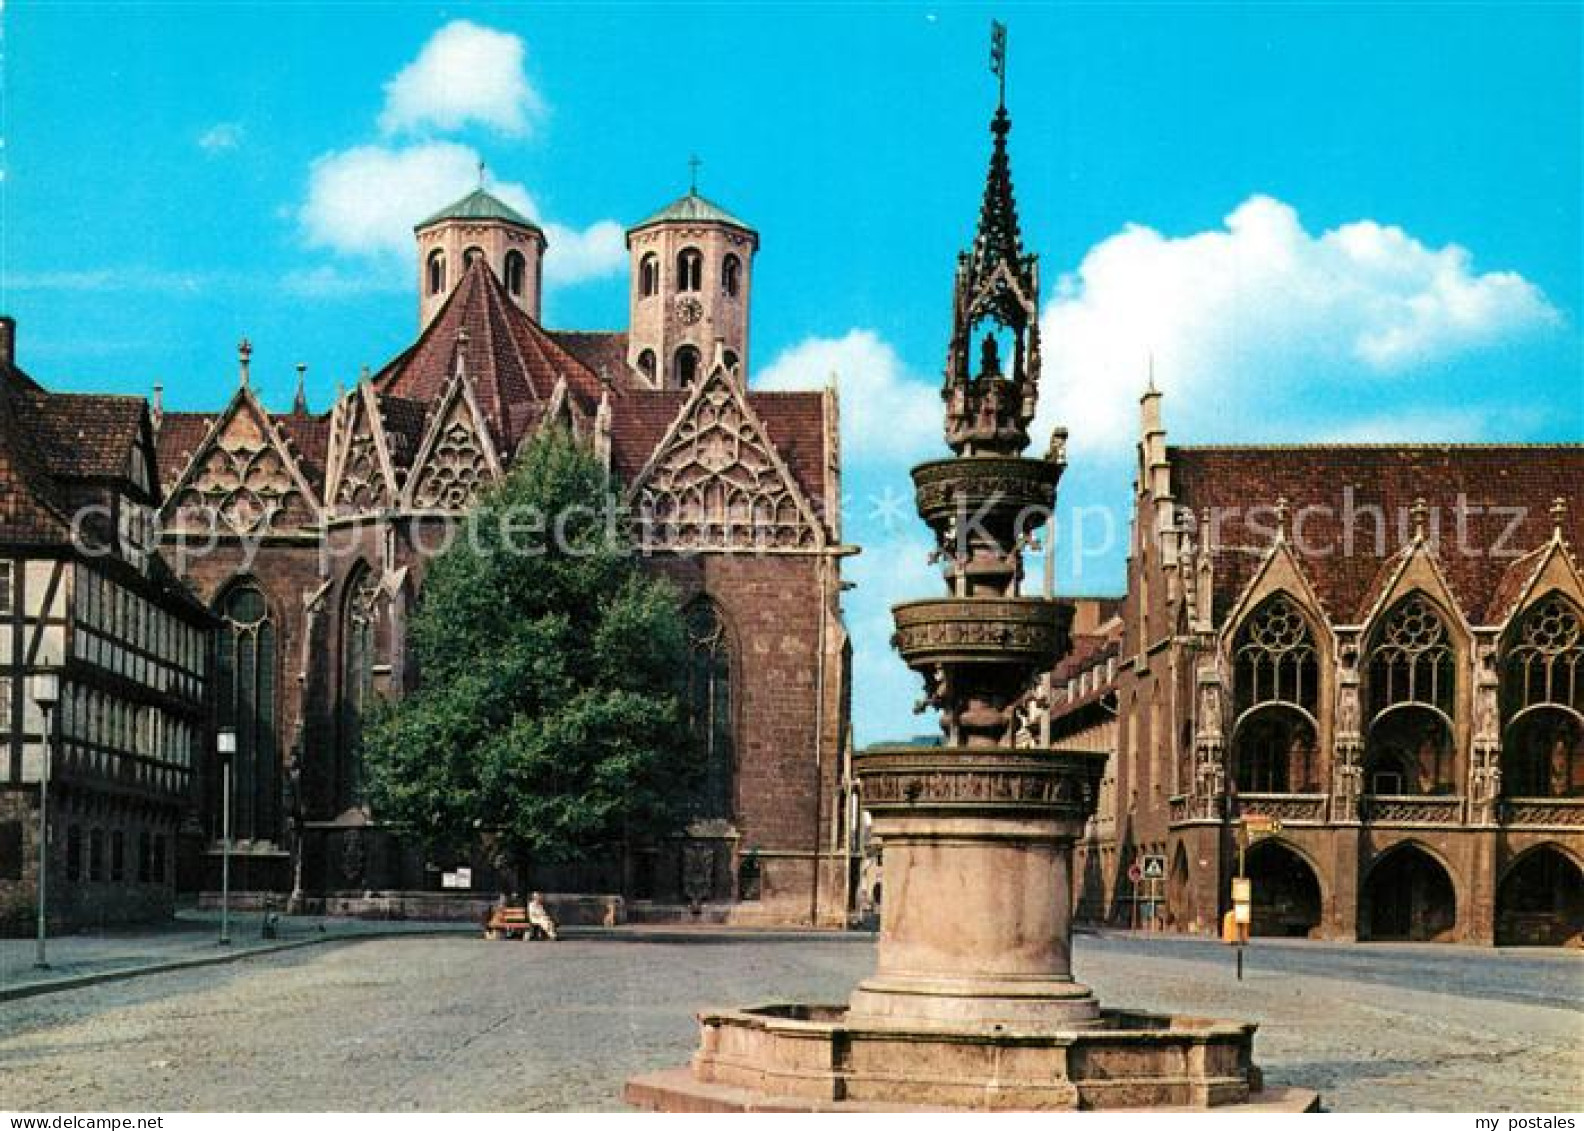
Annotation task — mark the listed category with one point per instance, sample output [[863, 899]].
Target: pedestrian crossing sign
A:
[[1154, 867]]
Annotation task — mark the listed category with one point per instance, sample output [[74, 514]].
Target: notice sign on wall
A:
[[461, 878]]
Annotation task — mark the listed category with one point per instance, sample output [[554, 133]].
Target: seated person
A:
[[539, 917]]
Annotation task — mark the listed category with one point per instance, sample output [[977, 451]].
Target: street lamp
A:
[[45, 689], [225, 746]]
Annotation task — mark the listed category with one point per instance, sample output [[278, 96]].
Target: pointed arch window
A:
[[516, 272], [1276, 688], [246, 677], [437, 272], [710, 708], [649, 275], [362, 621], [687, 366], [1275, 658], [1408, 746], [690, 269], [1543, 686], [731, 275]]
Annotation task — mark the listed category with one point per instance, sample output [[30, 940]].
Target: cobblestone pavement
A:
[[437, 1023]]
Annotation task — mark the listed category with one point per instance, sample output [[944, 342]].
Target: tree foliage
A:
[[548, 714]]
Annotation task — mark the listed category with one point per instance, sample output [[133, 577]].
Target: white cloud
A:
[[597, 252], [1262, 301], [365, 200], [465, 74], [221, 136], [887, 412]]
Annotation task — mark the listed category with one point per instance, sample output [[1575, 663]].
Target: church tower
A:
[[692, 268], [479, 225]]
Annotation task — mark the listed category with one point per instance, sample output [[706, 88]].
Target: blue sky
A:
[[1322, 224]]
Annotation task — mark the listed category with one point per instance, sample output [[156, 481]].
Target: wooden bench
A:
[[507, 923]]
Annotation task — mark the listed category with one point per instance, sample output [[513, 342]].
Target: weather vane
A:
[[998, 56]]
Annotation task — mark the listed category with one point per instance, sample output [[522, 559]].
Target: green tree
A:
[[548, 715]]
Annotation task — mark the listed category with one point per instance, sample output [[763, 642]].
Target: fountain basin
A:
[[995, 490], [1026, 633], [796, 1057]]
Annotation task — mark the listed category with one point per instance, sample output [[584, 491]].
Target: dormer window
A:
[[690, 269], [437, 272], [649, 275], [516, 267]]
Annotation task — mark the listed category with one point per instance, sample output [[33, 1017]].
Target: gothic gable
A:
[[362, 480], [242, 479], [716, 482], [457, 458]]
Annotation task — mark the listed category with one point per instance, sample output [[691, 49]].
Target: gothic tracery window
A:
[[363, 616], [1276, 681], [245, 675], [710, 710], [1543, 688], [1412, 684]]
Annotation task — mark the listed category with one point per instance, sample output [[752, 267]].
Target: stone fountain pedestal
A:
[[973, 1003]]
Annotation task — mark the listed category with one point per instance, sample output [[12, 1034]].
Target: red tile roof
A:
[[1506, 492], [177, 442], [512, 362]]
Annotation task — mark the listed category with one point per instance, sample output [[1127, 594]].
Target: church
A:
[[307, 535]]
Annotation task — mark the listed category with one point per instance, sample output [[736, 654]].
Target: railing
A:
[[1553, 812], [1287, 808], [1185, 808], [1412, 809]]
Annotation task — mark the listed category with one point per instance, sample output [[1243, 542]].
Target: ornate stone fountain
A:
[[973, 1002]]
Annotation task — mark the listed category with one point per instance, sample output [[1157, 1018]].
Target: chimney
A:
[[7, 340]]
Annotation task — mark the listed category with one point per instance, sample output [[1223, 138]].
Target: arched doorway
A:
[[1541, 900], [1408, 897], [1286, 892]]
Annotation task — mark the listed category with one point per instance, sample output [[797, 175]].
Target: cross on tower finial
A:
[[481, 172], [244, 357], [693, 167]]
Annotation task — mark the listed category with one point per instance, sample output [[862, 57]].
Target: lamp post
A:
[[225, 746], [45, 689]]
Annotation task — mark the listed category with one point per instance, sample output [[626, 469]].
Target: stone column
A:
[[977, 922]]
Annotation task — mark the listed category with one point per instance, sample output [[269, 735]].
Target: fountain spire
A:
[[993, 361]]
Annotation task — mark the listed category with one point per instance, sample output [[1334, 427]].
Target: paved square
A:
[[454, 1023]]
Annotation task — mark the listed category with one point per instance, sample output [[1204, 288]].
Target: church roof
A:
[[691, 208], [1335, 493], [512, 363], [478, 205]]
